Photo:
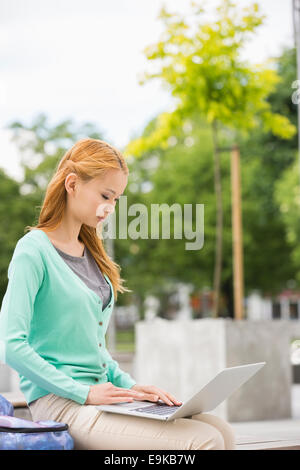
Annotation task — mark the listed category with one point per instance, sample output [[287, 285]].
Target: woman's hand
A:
[[152, 393], [107, 393]]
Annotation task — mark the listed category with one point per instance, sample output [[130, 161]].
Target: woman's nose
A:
[[109, 209], [104, 209]]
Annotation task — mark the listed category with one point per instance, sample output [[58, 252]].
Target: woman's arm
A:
[[26, 273], [115, 375]]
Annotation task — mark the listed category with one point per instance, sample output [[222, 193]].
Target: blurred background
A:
[[190, 92]]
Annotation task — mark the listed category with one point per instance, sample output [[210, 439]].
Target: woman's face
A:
[[97, 198]]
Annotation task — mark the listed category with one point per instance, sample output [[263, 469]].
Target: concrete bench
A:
[[281, 434], [252, 435]]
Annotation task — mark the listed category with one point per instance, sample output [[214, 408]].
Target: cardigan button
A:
[[100, 345], [96, 380], [104, 365], [100, 323]]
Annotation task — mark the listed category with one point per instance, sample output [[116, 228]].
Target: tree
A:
[[269, 257], [16, 210], [287, 194], [203, 69], [42, 145]]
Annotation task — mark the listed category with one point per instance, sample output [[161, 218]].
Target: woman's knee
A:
[[214, 440], [218, 441], [229, 436], [225, 428]]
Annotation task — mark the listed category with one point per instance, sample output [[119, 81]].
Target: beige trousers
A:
[[94, 429]]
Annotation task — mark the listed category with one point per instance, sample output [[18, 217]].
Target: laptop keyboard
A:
[[158, 409]]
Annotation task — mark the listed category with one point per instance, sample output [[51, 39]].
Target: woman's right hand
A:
[[107, 393]]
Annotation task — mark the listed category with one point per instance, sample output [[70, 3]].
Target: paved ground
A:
[[274, 434], [271, 434]]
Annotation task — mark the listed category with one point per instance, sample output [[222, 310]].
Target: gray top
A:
[[88, 270]]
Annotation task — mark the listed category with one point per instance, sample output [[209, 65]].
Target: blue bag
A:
[[22, 434]]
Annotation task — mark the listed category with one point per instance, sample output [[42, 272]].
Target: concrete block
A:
[[181, 356]]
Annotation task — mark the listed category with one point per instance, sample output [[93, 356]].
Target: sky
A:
[[82, 59]]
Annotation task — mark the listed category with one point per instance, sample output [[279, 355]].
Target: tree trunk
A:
[[219, 222], [227, 290]]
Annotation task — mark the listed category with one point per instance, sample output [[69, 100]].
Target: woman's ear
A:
[[71, 183]]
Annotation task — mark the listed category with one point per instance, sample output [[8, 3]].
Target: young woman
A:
[[55, 312]]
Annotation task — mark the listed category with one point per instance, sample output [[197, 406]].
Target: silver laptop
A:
[[208, 398]]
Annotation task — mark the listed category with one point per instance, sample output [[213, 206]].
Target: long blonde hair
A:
[[88, 158]]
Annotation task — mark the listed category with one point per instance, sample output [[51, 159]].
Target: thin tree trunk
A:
[[219, 222]]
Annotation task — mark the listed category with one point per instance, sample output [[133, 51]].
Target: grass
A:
[[125, 340]]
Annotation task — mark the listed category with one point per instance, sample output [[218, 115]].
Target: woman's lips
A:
[[100, 218]]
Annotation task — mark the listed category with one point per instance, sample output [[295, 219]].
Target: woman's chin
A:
[[99, 229]]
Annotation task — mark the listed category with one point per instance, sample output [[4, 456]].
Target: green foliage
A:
[[287, 193], [203, 70], [266, 160], [16, 211]]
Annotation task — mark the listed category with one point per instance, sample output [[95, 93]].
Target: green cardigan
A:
[[52, 326]]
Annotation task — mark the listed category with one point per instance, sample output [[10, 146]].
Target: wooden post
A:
[[237, 245]]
